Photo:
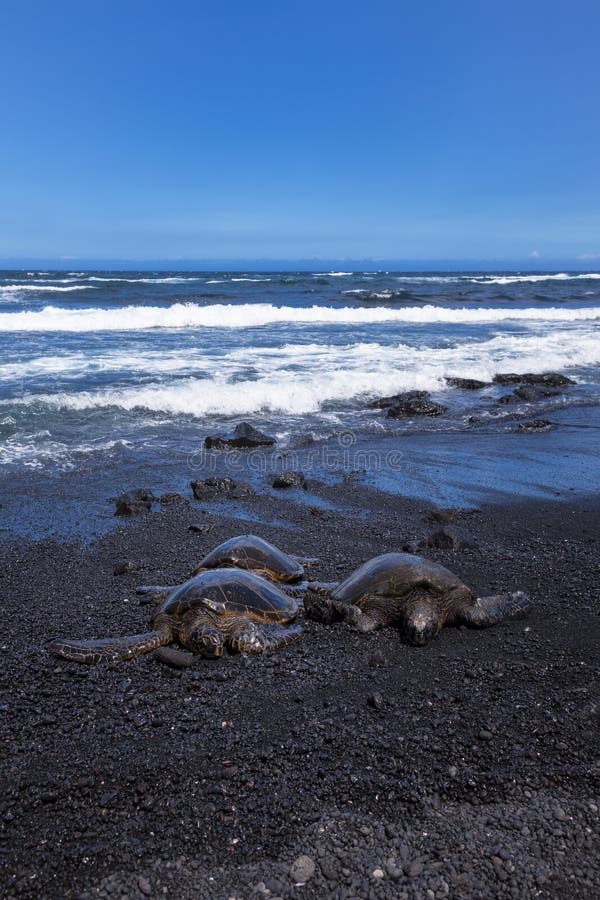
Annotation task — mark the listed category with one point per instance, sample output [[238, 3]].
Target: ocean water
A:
[[100, 366]]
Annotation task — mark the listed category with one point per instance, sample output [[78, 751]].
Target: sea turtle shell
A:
[[397, 574], [230, 592], [247, 551]]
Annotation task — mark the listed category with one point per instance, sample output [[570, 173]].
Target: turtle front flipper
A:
[[487, 611], [247, 637], [109, 649]]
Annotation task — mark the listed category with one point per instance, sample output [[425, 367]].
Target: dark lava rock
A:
[[466, 384], [122, 568], [375, 700], [172, 499], [134, 503], [176, 659], [529, 394], [412, 546], [446, 538], [416, 408], [245, 436], [449, 538], [444, 515], [220, 487], [551, 379], [384, 402], [199, 528], [537, 426], [289, 479]]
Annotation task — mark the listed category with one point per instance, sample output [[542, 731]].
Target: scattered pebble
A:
[[302, 870]]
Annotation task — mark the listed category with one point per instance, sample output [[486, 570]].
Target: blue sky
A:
[[388, 130]]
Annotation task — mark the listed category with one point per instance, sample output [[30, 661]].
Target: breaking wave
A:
[[301, 378], [248, 315]]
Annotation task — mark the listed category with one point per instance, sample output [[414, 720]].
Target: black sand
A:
[[469, 768]]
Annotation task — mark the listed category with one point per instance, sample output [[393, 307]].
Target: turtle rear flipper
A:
[[296, 590], [108, 649], [488, 611], [305, 560]]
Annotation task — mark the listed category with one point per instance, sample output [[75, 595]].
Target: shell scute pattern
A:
[[397, 574], [239, 592], [248, 551]]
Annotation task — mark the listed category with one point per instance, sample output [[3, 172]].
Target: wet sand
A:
[[468, 768]]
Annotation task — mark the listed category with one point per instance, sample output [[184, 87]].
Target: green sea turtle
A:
[[217, 608], [246, 551], [416, 594]]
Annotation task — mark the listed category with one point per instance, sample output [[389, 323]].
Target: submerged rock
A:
[[536, 426], [529, 394], [551, 379], [384, 402], [416, 408], [466, 384], [245, 436]]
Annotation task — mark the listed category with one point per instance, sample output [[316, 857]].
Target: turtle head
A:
[[421, 626], [211, 606]]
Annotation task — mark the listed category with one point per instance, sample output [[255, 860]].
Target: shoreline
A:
[[460, 468], [466, 768]]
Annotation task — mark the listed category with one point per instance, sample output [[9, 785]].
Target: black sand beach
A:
[[346, 765]]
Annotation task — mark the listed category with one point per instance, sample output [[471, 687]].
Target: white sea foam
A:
[[300, 378], [172, 279], [533, 279], [35, 451], [43, 280], [331, 274], [251, 315], [517, 278], [17, 288]]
